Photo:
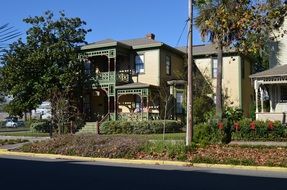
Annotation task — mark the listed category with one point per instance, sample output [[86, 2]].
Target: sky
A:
[[115, 19]]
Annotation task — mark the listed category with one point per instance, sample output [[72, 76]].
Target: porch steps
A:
[[90, 127]]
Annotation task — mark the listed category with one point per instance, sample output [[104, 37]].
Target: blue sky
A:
[[116, 19]]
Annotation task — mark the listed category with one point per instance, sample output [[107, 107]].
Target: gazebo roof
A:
[[278, 71]]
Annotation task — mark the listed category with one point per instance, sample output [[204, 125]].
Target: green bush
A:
[[205, 133], [145, 127], [264, 130], [43, 126]]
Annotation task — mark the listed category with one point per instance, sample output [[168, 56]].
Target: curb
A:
[[143, 162]]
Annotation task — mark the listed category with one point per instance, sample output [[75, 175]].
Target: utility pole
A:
[[189, 124]]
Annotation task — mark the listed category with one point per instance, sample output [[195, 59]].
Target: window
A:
[[139, 63], [214, 67], [283, 93], [179, 100], [168, 65]]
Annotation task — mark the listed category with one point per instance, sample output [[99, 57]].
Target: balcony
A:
[[111, 77]]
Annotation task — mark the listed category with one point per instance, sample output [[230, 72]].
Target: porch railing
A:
[[138, 116], [112, 77], [132, 116]]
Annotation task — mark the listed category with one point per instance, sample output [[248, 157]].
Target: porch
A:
[[271, 94]]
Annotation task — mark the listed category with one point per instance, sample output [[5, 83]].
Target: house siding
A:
[[151, 73], [278, 55], [235, 88]]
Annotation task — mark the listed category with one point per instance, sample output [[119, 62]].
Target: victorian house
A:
[[133, 79]]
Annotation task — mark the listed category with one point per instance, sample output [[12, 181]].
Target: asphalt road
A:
[[35, 173]]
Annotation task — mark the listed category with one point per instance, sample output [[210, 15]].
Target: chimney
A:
[[150, 36]]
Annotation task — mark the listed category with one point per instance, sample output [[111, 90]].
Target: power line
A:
[[182, 33]]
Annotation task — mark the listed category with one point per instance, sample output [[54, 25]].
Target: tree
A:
[[48, 60], [242, 24]]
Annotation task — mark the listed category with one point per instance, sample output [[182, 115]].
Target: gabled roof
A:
[[132, 43], [278, 71], [205, 49], [104, 43], [138, 43], [141, 42]]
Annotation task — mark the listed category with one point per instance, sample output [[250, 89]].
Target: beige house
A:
[[132, 80], [236, 84], [143, 79]]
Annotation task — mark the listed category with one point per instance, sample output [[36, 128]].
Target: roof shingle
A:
[[277, 71]]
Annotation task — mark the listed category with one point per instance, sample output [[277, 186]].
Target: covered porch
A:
[[137, 102], [271, 94]]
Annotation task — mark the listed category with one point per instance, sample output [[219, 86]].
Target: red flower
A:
[[236, 126], [220, 125], [270, 125], [252, 125]]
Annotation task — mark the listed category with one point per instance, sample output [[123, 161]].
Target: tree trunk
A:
[[219, 82]]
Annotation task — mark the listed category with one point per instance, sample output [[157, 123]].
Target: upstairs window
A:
[[139, 64], [168, 65]]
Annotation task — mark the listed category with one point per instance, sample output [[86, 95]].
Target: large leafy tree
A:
[[241, 24], [46, 63]]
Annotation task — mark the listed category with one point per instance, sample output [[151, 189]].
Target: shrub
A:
[[134, 127], [88, 145], [43, 126], [205, 133], [201, 106], [264, 130]]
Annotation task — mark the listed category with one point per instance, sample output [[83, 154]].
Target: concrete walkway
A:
[[17, 145], [259, 143], [31, 139]]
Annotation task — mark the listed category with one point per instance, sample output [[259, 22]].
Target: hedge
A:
[[43, 126], [140, 127], [245, 130], [206, 133], [259, 130]]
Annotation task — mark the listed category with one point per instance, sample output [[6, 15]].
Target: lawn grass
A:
[[11, 129], [152, 147], [156, 137]]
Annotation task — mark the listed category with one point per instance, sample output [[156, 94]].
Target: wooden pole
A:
[[189, 124]]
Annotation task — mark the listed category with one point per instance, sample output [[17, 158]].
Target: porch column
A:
[[141, 108], [109, 68], [261, 99], [256, 95], [116, 105], [147, 104], [271, 98]]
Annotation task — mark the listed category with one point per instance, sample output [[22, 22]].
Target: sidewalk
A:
[[14, 146], [31, 139], [259, 143]]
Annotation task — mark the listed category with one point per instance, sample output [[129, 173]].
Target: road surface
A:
[[36, 173]]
